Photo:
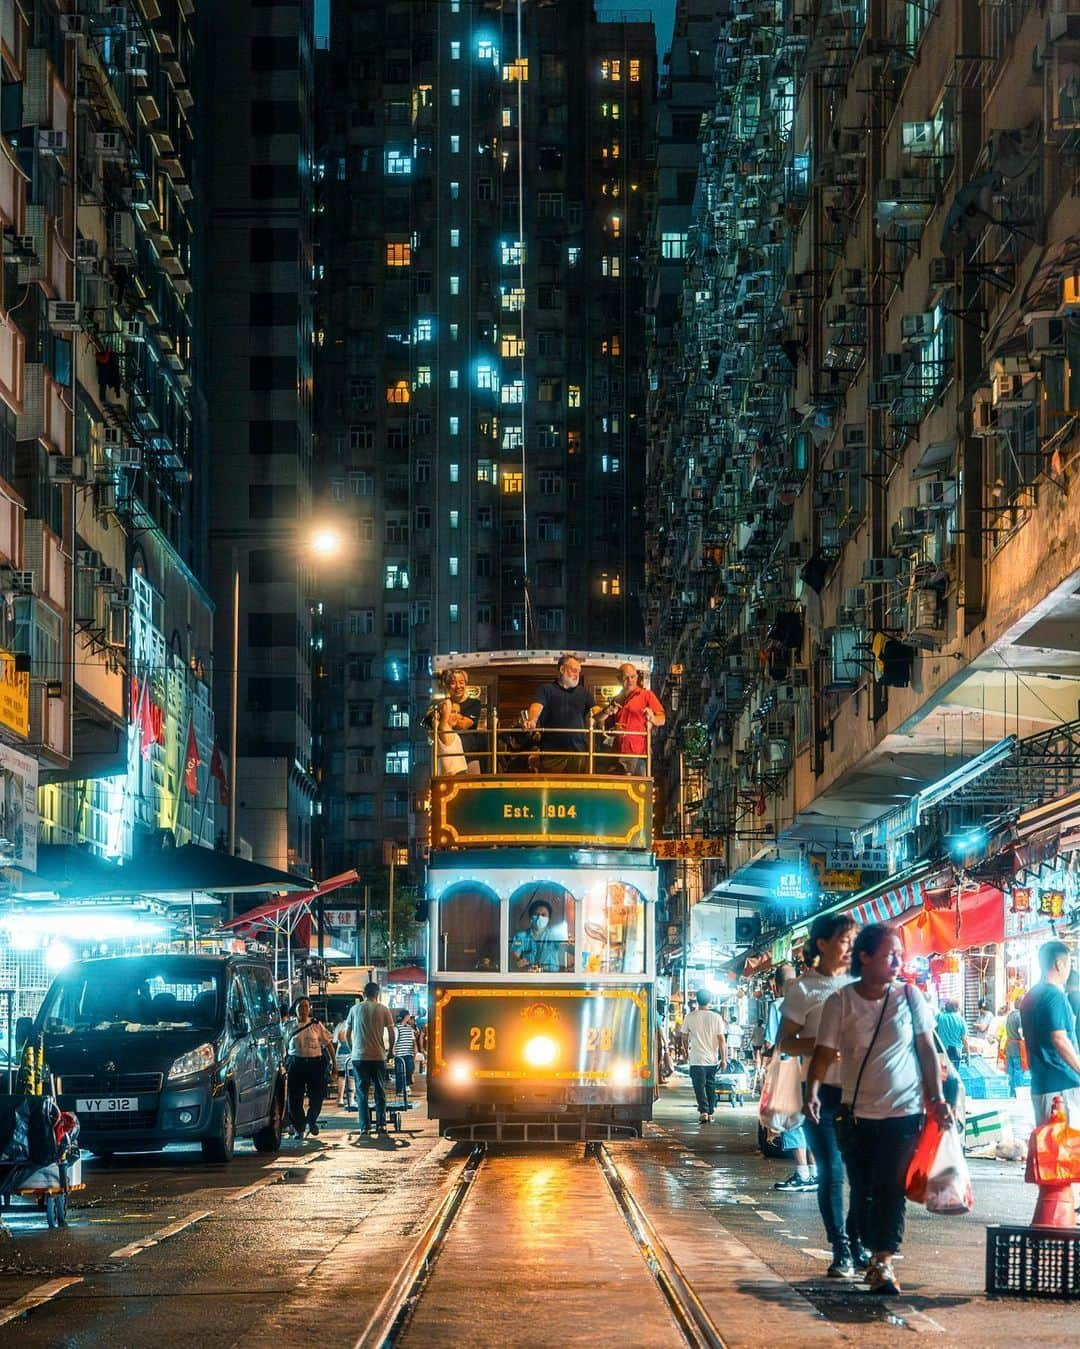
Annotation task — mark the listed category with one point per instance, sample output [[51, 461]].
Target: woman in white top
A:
[[828, 954], [306, 1064], [882, 1032]]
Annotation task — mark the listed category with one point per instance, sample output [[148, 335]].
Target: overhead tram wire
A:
[[530, 622]]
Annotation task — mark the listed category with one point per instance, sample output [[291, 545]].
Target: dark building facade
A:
[[480, 362]]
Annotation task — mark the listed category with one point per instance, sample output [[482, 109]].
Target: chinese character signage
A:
[[1052, 903], [1021, 900], [14, 695], [18, 809], [690, 849]]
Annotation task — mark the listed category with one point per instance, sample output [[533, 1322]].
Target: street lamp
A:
[[323, 544]]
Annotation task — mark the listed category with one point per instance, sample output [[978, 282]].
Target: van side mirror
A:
[[24, 1028]]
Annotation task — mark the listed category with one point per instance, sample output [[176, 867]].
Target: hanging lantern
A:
[[1052, 903], [1021, 900]]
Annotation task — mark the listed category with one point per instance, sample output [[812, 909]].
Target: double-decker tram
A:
[[541, 891]]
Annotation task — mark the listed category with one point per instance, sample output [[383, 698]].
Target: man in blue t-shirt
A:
[[1050, 1034], [560, 711]]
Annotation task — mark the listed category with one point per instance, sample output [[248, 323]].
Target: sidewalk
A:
[[942, 1272]]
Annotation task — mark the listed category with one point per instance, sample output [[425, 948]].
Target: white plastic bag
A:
[[781, 1104], [948, 1182]]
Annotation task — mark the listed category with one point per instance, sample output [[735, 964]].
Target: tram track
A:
[[391, 1320]]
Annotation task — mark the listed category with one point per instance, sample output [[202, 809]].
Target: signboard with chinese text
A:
[[18, 809], [590, 811], [14, 695], [841, 882], [688, 848]]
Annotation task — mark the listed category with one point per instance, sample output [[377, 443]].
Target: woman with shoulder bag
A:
[[882, 1031], [305, 1060], [828, 956]]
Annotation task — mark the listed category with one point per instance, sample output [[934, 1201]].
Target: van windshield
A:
[[148, 994]]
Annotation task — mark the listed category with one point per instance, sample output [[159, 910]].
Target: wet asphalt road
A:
[[297, 1250]]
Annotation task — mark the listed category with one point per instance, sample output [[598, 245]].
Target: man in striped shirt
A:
[[404, 1051]]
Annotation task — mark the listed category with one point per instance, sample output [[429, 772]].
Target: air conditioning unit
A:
[[134, 330], [86, 251], [984, 418], [881, 569], [105, 497], [65, 316], [854, 436], [799, 675], [120, 598], [110, 145], [127, 456], [892, 365], [108, 578], [916, 328], [738, 661], [856, 597], [840, 315], [942, 271], [938, 495], [88, 558], [112, 438], [914, 520], [24, 245], [787, 693], [136, 55], [917, 139], [72, 24], [1045, 335], [844, 461], [926, 610], [881, 394], [21, 582], [52, 142], [1010, 390], [64, 468]]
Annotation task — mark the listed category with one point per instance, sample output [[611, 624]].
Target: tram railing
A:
[[512, 749]]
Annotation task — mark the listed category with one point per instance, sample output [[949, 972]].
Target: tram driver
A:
[[542, 945]]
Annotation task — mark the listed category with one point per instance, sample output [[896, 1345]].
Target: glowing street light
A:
[[325, 542]]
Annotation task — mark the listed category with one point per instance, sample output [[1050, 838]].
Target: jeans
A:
[[703, 1078], [306, 1076], [1014, 1068], [369, 1073], [877, 1156], [822, 1141], [404, 1066]]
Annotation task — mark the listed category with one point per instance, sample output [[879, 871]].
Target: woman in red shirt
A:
[[636, 709]]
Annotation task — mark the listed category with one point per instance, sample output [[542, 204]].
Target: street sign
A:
[[339, 917], [688, 849]]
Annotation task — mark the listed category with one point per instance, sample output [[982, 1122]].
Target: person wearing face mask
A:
[[560, 710], [539, 946]]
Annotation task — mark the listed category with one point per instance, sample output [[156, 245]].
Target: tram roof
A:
[[495, 660]]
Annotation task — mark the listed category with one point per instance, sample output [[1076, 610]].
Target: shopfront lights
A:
[[962, 845], [27, 930]]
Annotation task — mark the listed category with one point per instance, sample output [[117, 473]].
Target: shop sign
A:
[[841, 882], [688, 848], [597, 812], [1021, 900], [18, 809], [14, 695], [1052, 903], [339, 917]]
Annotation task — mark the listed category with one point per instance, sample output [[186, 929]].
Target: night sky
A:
[[663, 12]]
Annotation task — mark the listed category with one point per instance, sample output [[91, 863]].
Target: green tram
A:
[[541, 893]]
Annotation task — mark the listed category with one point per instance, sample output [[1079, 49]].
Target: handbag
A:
[[844, 1120]]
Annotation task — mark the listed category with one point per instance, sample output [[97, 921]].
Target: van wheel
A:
[[268, 1138], [220, 1147]]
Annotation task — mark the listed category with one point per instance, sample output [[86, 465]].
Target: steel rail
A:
[[392, 1314], [697, 1326]]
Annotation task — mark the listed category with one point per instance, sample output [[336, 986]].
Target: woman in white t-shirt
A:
[[882, 1032], [828, 955]]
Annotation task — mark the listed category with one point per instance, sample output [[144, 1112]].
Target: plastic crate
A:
[[988, 1089], [1033, 1262]]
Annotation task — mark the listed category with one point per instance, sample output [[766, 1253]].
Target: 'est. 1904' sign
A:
[[599, 812]]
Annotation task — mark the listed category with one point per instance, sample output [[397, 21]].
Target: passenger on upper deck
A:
[[539, 946], [453, 720], [561, 710], [635, 709]]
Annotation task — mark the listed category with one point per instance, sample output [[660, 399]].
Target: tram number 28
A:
[[481, 1037], [597, 1039]]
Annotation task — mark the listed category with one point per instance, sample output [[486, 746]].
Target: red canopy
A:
[[977, 920], [408, 974], [277, 910]]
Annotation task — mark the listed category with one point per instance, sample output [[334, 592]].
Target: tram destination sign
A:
[[591, 811]]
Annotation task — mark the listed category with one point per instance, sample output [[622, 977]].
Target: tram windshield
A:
[[542, 928], [469, 930], [614, 930]]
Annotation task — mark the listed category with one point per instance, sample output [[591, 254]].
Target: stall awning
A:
[[277, 911], [977, 919], [889, 904]]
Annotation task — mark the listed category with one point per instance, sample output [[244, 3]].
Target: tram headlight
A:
[[460, 1072], [622, 1074], [541, 1051]]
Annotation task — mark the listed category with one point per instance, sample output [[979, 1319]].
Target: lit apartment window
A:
[[453, 612], [517, 70], [397, 761], [511, 483], [610, 265], [455, 191], [573, 442], [512, 345], [487, 377], [455, 285], [398, 255], [455, 98], [672, 245], [616, 226], [397, 163], [507, 118], [455, 6], [610, 110], [513, 252], [453, 565], [455, 472], [486, 471], [455, 238], [610, 585], [397, 392], [453, 379], [396, 576], [635, 70], [609, 463], [455, 145], [513, 300], [455, 426], [513, 393], [612, 150], [424, 330], [573, 396], [486, 51], [455, 51], [573, 255], [423, 376], [611, 70], [611, 346], [455, 519], [453, 332]]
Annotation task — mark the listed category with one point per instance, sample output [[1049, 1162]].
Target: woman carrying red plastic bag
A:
[[938, 1175]]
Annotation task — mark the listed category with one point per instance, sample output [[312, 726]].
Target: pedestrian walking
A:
[[951, 1031], [1016, 1053], [404, 1053], [370, 1027], [305, 1064], [1050, 1035], [804, 1178], [346, 1088], [707, 1050], [828, 956], [883, 1033]]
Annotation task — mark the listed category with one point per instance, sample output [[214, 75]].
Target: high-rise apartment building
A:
[[483, 208], [256, 160]]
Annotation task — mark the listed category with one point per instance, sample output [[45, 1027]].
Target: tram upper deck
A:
[[501, 784]]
